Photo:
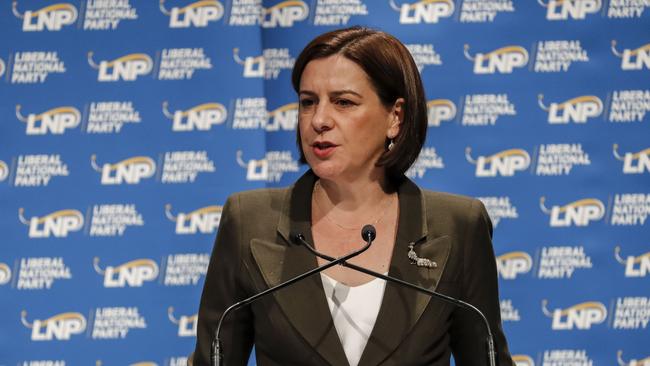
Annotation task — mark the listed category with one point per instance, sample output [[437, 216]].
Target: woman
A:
[[362, 123]]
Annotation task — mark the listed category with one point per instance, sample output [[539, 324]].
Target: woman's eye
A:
[[344, 102], [306, 103]]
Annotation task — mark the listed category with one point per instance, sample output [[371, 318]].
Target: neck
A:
[[354, 195]]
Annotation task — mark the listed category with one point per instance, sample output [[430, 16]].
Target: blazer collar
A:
[[304, 303]]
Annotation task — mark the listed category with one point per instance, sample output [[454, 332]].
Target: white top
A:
[[354, 312]]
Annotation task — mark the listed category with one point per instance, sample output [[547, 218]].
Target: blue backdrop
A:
[[126, 124]]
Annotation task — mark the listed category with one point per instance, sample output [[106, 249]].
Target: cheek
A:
[[303, 129], [304, 136], [304, 118]]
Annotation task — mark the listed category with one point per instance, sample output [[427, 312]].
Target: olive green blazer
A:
[[293, 326]]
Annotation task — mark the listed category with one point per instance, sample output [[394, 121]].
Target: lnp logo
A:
[[271, 168], [633, 59], [186, 324], [502, 60], [511, 264], [204, 220], [581, 316], [126, 68], [578, 213], [55, 120], [198, 14], [5, 274], [51, 18], [440, 110], [633, 362], [576, 9], [523, 360], [60, 327], [576, 110], [4, 171], [634, 266], [133, 273], [255, 169], [59, 223], [427, 11], [504, 163], [268, 65], [285, 117], [641, 159], [201, 117], [284, 14], [129, 171], [253, 66]]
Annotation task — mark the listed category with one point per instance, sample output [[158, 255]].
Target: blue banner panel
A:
[[126, 124]]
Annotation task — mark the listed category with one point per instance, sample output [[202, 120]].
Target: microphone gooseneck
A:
[[372, 234], [216, 352]]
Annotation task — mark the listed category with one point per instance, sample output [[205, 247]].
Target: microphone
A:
[[368, 233], [372, 233]]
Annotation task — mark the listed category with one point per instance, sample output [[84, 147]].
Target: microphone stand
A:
[[368, 233], [490, 340]]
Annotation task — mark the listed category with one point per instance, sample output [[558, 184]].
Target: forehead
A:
[[334, 72]]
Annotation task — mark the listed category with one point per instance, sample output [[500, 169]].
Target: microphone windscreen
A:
[[368, 233]]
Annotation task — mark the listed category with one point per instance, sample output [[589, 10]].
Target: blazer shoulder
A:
[[453, 210], [263, 198], [453, 203], [258, 212]]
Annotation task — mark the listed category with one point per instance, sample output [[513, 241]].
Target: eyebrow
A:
[[335, 93]]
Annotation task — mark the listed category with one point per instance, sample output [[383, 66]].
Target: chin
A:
[[325, 170]]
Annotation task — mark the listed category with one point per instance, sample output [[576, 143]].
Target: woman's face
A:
[[343, 124]]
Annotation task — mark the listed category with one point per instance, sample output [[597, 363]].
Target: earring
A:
[[391, 145]]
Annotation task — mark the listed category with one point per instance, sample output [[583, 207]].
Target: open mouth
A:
[[323, 149], [323, 145]]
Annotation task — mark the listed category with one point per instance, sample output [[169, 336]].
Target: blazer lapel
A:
[[402, 307], [303, 303]]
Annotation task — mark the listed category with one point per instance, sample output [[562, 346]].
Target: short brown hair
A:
[[393, 74]]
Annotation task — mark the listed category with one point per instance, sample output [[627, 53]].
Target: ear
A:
[[396, 118]]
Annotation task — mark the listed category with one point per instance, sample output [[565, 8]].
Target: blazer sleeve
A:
[[222, 288], [479, 287]]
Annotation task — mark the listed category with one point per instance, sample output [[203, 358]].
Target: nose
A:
[[322, 119]]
